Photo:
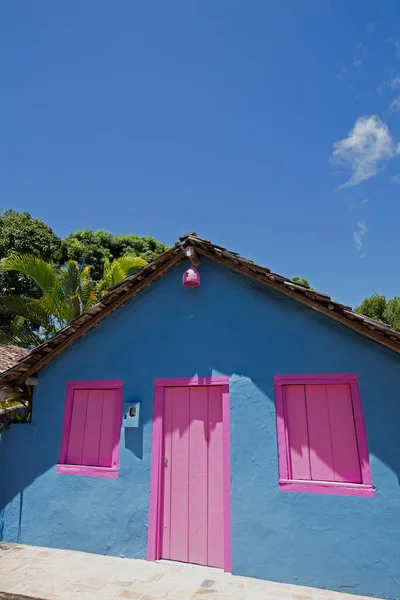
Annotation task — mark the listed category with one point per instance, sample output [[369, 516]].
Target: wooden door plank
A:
[[198, 464], [180, 476]]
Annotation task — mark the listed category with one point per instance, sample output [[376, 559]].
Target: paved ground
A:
[[62, 574]]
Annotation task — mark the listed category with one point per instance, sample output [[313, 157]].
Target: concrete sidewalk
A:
[[64, 574]]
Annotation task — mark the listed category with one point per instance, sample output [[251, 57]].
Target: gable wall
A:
[[232, 327]]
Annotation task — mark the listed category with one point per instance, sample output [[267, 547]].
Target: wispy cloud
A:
[[342, 77], [365, 150], [395, 105], [361, 95], [396, 178], [361, 51], [382, 87], [397, 46], [386, 84], [358, 237], [365, 201], [395, 82]]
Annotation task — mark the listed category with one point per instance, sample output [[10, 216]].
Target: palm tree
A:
[[63, 294], [116, 270]]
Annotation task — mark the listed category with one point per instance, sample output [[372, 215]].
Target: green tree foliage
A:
[[301, 281], [392, 313], [20, 233], [373, 307], [379, 308], [93, 248], [116, 270], [65, 293]]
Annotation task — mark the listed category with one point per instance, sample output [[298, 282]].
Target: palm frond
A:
[[118, 269], [42, 273], [131, 264], [19, 334], [31, 309], [69, 278]]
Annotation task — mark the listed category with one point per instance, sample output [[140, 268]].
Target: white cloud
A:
[[395, 105], [382, 87], [396, 178], [361, 95], [365, 150], [356, 62], [395, 82], [358, 236], [365, 201]]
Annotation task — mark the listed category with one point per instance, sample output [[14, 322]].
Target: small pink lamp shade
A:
[[191, 277]]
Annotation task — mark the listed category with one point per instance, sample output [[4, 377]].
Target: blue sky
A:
[[269, 127]]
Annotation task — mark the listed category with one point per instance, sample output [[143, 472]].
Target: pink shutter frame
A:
[[287, 482], [103, 437]]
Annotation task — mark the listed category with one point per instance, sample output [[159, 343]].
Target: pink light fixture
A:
[[191, 277]]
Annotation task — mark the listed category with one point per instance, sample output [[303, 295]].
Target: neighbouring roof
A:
[[10, 355], [192, 247]]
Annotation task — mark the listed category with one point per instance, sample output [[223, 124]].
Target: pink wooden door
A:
[[192, 527]]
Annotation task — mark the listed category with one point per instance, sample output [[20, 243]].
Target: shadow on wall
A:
[[134, 441], [29, 462], [252, 338]]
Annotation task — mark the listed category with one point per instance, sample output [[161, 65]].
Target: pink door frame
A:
[[154, 532]]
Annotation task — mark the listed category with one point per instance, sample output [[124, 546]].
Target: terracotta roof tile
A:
[[10, 355]]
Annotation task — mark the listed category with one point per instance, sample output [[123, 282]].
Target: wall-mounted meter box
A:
[[131, 415]]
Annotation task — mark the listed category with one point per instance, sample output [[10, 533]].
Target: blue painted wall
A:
[[228, 326]]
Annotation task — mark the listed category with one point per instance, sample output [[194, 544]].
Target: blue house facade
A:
[[298, 510]]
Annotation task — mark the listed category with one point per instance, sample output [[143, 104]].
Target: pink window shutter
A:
[[319, 433], [77, 427], [91, 444], [92, 436], [343, 434], [108, 439], [296, 414], [322, 442]]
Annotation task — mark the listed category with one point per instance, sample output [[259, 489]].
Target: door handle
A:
[[165, 461]]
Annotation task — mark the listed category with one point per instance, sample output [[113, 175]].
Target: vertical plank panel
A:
[[167, 469], [91, 442], [180, 476], [295, 405], [344, 442], [198, 459], [215, 479], [108, 440], [77, 429], [319, 433]]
